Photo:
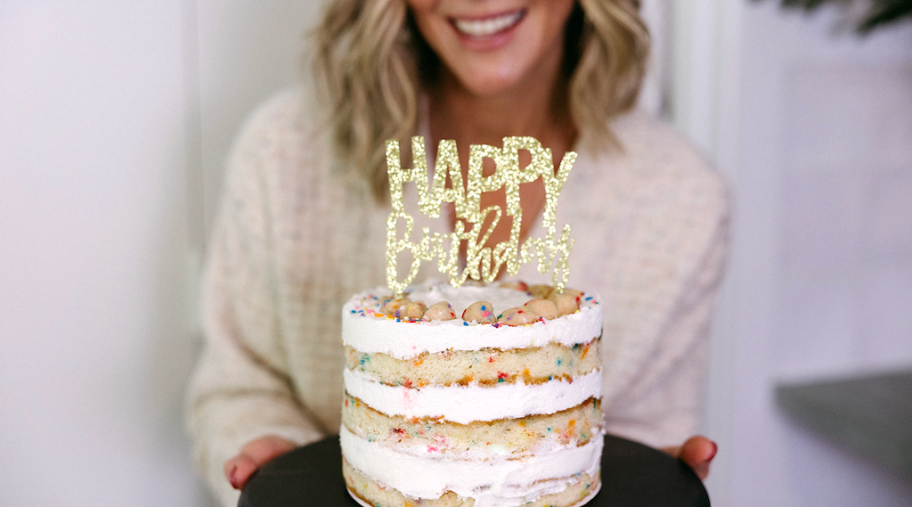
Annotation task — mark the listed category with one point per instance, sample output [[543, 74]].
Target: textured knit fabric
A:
[[294, 241]]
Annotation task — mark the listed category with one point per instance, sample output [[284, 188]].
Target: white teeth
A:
[[489, 26]]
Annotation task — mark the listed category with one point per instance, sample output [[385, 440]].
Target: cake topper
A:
[[482, 263]]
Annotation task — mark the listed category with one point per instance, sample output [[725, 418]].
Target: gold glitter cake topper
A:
[[482, 263]]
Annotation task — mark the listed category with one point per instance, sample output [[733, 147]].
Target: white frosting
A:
[[592, 492], [493, 482], [367, 333], [464, 404]]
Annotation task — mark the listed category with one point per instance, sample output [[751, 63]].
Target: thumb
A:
[[254, 455], [698, 452]]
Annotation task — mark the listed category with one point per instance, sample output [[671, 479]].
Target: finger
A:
[[698, 452], [254, 455], [264, 449], [239, 469], [701, 470], [675, 452]]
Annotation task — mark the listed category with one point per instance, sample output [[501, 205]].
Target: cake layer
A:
[[516, 437], [372, 494], [473, 402], [371, 333], [498, 481], [487, 366]]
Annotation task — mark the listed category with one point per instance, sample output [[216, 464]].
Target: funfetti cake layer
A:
[[517, 436], [449, 412], [533, 365]]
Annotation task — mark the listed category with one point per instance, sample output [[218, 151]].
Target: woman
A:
[[302, 225]]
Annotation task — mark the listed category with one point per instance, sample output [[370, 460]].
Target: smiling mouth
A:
[[487, 27]]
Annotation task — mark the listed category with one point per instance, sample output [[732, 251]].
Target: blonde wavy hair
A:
[[371, 64]]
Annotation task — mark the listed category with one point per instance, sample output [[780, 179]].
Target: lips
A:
[[489, 26]]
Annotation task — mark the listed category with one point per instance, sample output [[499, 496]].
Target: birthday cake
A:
[[477, 395]]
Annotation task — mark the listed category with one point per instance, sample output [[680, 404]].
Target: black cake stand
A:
[[632, 475]]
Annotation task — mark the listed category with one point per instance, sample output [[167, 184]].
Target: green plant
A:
[[876, 14]]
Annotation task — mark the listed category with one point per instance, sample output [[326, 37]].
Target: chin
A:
[[490, 84], [488, 89]]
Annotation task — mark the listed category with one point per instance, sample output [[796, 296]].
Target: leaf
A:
[[879, 14]]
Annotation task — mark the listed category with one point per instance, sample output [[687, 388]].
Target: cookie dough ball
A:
[[404, 308], [565, 303], [543, 308], [517, 316], [572, 292], [439, 311], [541, 291], [515, 285], [481, 312]]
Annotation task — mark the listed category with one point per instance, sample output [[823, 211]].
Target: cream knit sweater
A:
[[293, 242]]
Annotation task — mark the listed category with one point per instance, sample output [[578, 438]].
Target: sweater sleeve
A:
[[241, 389], [662, 405]]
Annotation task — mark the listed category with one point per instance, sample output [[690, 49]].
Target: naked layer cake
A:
[[484, 396]]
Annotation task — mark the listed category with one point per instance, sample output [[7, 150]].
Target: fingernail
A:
[[232, 478], [715, 450]]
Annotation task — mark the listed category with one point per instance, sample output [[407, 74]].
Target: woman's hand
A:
[[697, 452], [254, 454]]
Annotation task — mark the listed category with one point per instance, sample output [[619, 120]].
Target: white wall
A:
[[248, 50], [814, 129], [108, 111]]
